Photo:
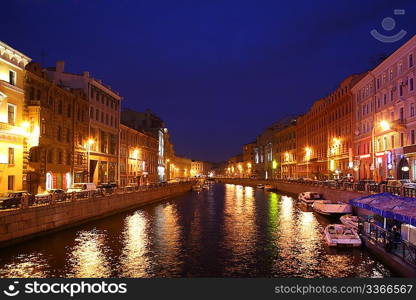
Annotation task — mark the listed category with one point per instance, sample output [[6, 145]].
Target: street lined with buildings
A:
[[58, 129], [363, 130]]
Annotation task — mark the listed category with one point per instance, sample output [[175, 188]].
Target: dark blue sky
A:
[[217, 72]]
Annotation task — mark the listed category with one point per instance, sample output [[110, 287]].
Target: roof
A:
[[402, 209]]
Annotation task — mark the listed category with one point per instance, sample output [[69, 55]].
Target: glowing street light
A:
[[308, 154], [385, 125]]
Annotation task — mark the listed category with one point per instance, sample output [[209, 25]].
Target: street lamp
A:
[[90, 142], [384, 125], [308, 153]]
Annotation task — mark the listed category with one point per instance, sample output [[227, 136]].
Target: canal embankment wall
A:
[[21, 224], [294, 188]]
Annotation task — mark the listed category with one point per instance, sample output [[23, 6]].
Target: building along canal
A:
[[225, 231]]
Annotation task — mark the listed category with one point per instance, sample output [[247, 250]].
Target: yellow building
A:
[[58, 156], [13, 127]]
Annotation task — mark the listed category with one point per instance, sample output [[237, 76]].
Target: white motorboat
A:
[[197, 188], [331, 207], [337, 235], [309, 197], [349, 220], [260, 186]]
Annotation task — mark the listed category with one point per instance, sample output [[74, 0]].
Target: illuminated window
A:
[[10, 182], [11, 113], [48, 181], [12, 77], [11, 156]]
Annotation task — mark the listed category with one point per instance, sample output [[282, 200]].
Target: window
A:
[[401, 89], [68, 135], [401, 139], [97, 115], [410, 60], [12, 77], [385, 99], [11, 114], [11, 156], [412, 110], [10, 182], [50, 156], [391, 95], [392, 141], [412, 137], [401, 114], [411, 87], [68, 158], [69, 111], [92, 113], [391, 74], [60, 157], [59, 133], [60, 107]]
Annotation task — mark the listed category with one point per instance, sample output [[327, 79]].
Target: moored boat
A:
[[338, 235], [309, 197], [331, 207], [260, 186], [197, 188], [349, 220]]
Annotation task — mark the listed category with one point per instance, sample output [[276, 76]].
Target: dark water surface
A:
[[226, 231]]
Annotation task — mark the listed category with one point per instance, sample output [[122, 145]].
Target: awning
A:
[[402, 209]]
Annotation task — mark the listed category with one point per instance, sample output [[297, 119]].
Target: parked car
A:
[[366, 181], [82, 187], [59, 194], [394, 183], [14, 199], [408, 184], [106, 188]]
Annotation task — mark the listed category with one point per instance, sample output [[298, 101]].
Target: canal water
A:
[[225, 231]]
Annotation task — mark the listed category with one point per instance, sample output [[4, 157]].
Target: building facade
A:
[[149, 122], [58, 120], [14, 128], [138, 157], [104, 122], [200, 168], [286, 149], [386, 118]]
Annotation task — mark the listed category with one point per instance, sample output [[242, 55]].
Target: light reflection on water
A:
[[226, 231]]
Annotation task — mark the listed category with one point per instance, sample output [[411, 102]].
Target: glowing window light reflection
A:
[[134, 260], [89, 256]]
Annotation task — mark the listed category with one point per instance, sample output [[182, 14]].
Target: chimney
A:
[[86, 74], [60, 66]]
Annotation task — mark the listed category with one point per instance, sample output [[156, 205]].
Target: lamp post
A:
[[90, 142], [308, 152], [384, 125]]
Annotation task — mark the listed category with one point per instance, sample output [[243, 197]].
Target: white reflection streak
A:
[[88, 257], [134, 261]]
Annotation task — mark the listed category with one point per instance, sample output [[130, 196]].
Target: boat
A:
[[349, 220], [338, 235], [197, 188], [205, 186], [331, 207], [309, 197], [260, 186]]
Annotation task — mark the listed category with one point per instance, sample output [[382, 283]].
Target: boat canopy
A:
[[402, 209]]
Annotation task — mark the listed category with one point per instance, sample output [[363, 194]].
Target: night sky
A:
[[218, 72]]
